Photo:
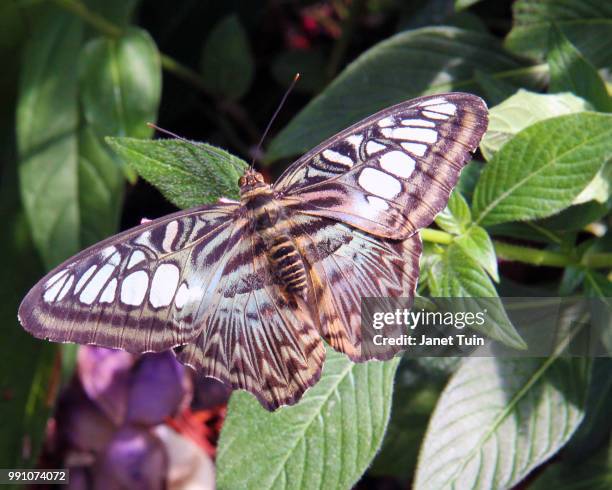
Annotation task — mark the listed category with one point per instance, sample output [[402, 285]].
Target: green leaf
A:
[[456, 274], [497, 419], [522, 110], [227, 64], [477, 243], [586, 23], [456, 217], [571, 72], [101, 188], [326, 441], [120, 83], [187, 173], [120, 89], [47, 119], [543, 168], [446, 57]]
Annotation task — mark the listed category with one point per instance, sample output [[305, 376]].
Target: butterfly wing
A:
[[140, 290], [257, 337], [391, 173], [346, 265]]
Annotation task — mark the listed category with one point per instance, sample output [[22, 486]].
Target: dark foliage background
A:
[[530, 217]]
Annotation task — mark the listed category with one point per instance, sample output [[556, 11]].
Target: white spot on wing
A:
[[386, 122], [55, 277], [434, 101], [134, 288], [170, 235], [379, 183], [449, 109], [84, 278], [182, 295], [378, 203], [355, 140], [163, 285], [418, 122], [373, 147], [334, 156], [66, 288], [144, 239], [413, 134], [108, 295], [415, 148], [397, 163], [435, 115], [95, 285], [136, 258], [53, 291]]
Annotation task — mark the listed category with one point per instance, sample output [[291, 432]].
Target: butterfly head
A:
[[251, 183]]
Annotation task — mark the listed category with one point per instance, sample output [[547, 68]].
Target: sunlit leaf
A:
[[325, 441]]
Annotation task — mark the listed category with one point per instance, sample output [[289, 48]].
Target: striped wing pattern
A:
[[390, 174], [139, 290], [346, 265], [257, 337], [217, 280]]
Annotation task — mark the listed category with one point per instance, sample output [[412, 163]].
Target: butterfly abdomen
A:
[[288, 265]]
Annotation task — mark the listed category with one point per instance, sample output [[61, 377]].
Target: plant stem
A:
[[97, 21], [527, 255]]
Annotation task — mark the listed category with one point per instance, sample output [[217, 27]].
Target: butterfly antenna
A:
[[170, 133], [280, 106]]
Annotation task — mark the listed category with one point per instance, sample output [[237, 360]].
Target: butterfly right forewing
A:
[[391, 173]]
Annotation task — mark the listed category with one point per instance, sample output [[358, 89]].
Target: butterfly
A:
[[246, 290]]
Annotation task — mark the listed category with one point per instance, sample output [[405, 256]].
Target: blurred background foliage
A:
[[76, 72]]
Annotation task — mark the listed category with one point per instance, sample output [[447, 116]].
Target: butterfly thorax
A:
[[271, 224]]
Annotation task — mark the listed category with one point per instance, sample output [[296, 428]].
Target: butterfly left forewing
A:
[[139, 290], [346, 265], [393, 172]]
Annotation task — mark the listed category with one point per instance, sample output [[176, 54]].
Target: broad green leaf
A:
[[385, 74], [120, 89], [586, 23], [499, 418], [47, 119], [188, 174], [543, 168], [468, 179], [227, 64], [477, 243], [456, 217], [455, 274], [571, 72], [120, 84], [522, 110], [101, 188], [326, 441]]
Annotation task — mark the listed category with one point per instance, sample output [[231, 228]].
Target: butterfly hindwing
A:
[[139, 290], [393, 172], [257, 337], [346, 265]]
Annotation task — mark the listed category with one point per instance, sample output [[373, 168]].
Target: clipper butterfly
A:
[[250, 288]]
